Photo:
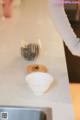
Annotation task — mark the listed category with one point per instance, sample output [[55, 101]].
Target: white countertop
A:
[[13, 88]]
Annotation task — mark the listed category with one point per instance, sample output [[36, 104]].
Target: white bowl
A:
[[39, 82]]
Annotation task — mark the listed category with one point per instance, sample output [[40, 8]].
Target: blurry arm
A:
[[62, 23]]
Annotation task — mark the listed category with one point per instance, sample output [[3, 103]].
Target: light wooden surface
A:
[[75, 93]]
